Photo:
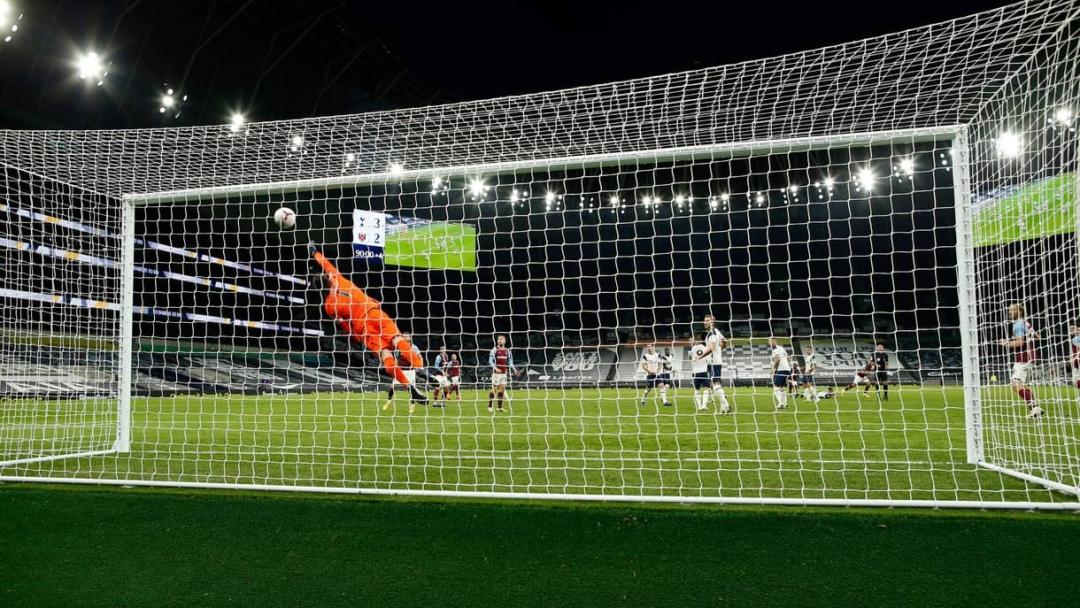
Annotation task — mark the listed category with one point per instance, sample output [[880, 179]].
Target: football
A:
[[285, 218]]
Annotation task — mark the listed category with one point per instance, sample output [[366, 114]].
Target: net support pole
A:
[[965, 287], [127, 304]]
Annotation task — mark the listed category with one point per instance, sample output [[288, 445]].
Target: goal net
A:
[[786, 280]]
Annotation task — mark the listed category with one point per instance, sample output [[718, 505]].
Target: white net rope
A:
[[862, 203]]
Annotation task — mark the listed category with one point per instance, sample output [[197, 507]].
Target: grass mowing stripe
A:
[[576, 440], [89, 547]]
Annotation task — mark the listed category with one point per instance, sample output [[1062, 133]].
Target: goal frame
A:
[[957, 134]]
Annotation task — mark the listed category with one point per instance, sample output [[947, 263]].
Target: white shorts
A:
[[498, 379], [410, 374], [455, 380], [1020, 372], [442, 380]]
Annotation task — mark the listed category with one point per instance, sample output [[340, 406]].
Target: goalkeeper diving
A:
[[362, 317]]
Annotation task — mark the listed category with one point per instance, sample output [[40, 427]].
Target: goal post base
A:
[[1052, 485], [34, 459], [612, 498]]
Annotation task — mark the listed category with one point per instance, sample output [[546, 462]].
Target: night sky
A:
[[277, 59]]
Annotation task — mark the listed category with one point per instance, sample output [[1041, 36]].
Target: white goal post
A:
[[895, 212]]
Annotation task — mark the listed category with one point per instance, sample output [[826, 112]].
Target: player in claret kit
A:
[[453, 371], [1074, 356], [502, 363], [862, 377], [439, 368], [1022, 345], [362, 317], [793, 378]]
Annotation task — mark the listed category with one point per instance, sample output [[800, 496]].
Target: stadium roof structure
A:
[[977, 71]]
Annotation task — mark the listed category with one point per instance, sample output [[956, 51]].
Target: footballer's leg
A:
[[648, 389], [1019, 383], [389, 397], [663, 394], [718, 393]]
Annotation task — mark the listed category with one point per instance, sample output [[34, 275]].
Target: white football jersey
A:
[[667, 363], [810, 363], [698, 366], [651, 362], [713, 338], [780, 355]]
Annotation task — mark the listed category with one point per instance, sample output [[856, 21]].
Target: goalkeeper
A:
[[362, 317]]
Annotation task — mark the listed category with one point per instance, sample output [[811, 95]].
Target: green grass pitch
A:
[[87, 546], [561, 441]]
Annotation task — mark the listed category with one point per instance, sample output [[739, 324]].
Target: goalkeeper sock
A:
[[392, 368], [405, 348]]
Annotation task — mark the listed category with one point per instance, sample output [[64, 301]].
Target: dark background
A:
[[880, 265], [277, 59]]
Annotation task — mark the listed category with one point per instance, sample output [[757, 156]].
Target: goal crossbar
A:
[[688, 153]]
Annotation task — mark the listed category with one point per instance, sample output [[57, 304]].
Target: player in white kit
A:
[[714, 357], [781, 372], [650, 364]]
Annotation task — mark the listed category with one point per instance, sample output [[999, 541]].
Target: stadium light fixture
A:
[[236, 122], [91, 67], [794, 189], [169, 101], [9, 20], [397, 169], [549, 197], [436, 182], [613, 200], [350, 158], [829, 182], [646, 200], [477, 188], [1009, 144], [866, 179], [725, 197], [905, 168], [759, 199], [1063, 117], [296, 142]]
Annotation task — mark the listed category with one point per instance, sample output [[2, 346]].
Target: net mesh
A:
[[898, 191]]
